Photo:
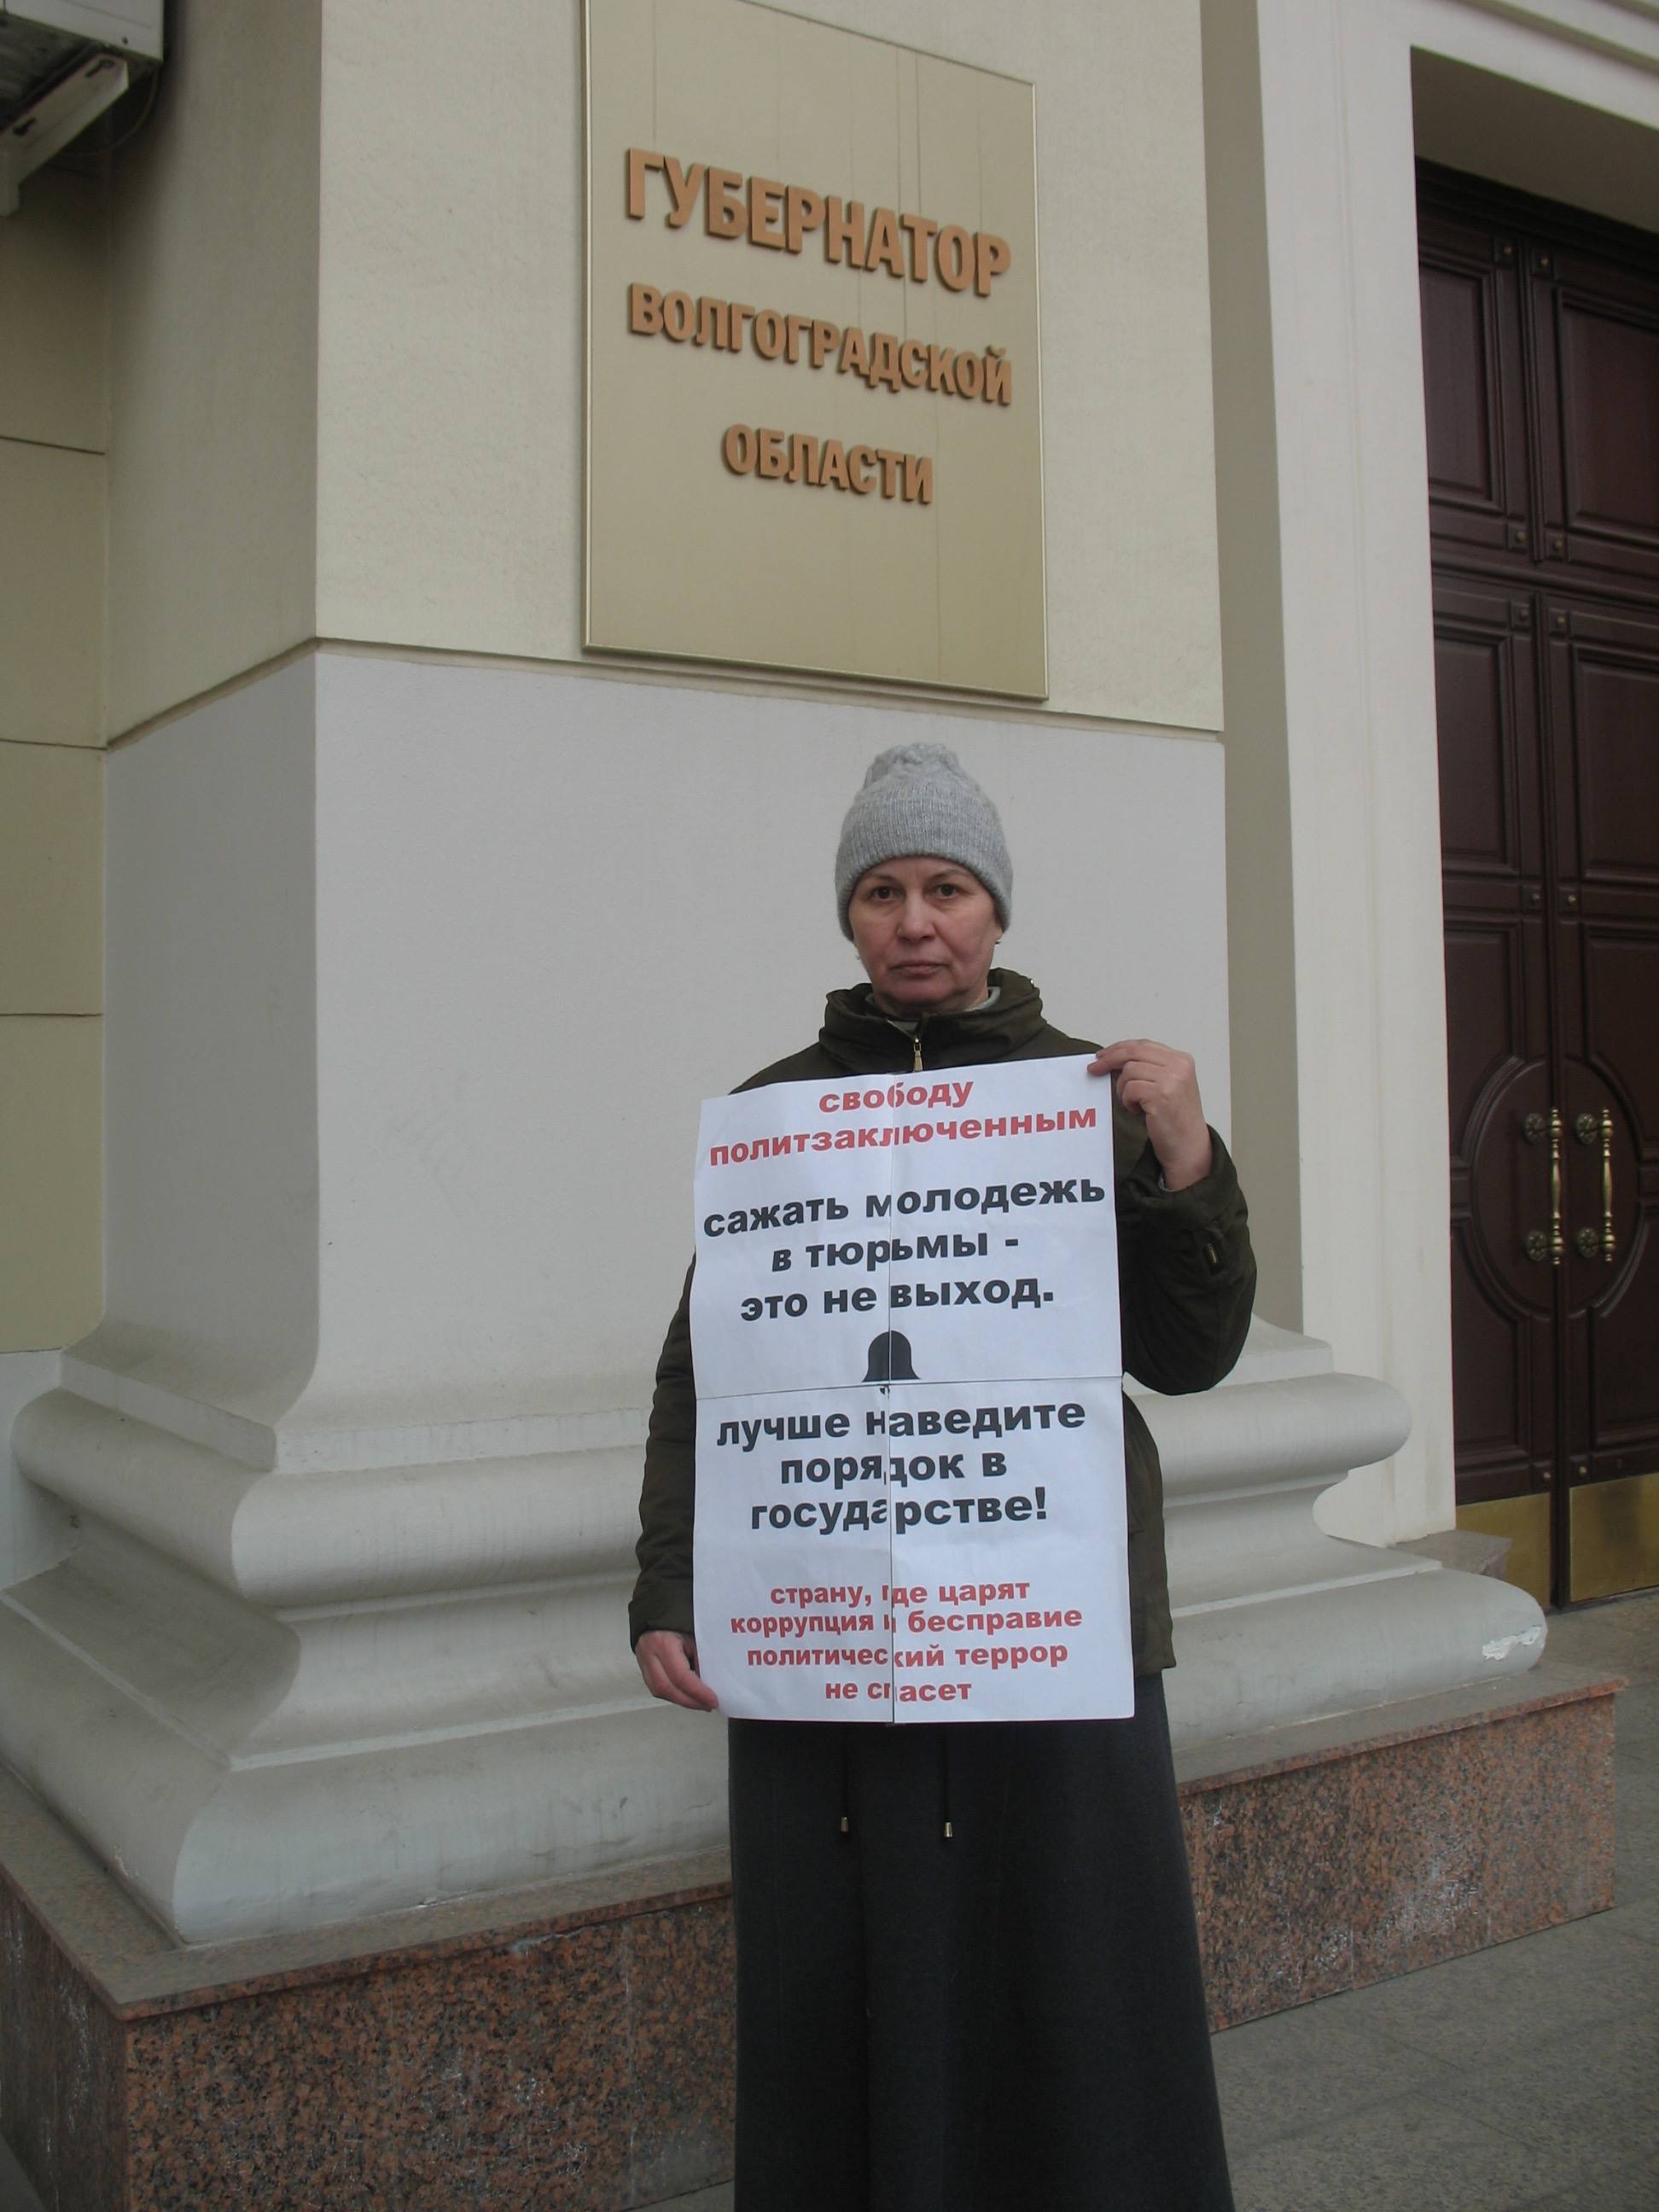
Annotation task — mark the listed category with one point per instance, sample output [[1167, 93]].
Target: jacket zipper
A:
[[915, 1044]]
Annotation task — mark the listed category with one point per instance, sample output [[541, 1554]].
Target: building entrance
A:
[[1541, 347]]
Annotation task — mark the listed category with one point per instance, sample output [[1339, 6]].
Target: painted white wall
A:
[[1367, 1101], [450, 436], [213, 347], [54, 336], [1515, 134], [210, 1150], [54, 420], [553, 913], [412, 1147], [1261, 906], [346, 340]]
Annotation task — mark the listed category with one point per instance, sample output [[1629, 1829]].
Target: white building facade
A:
[[424, 930]]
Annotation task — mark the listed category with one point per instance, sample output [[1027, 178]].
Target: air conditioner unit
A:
[[62, 64]]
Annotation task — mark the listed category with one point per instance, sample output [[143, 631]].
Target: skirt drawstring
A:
[[947, 1826]]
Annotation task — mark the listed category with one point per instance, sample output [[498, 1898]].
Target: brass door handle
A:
[[1594, 1129], [1607, 1244], [1534, 1243]]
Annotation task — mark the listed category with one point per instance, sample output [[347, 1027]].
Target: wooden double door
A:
[[1541, 373]]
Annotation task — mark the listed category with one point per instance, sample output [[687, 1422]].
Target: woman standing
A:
[[967, 1974]]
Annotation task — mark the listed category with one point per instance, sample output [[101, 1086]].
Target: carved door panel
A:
[[1497, 1044], [1541, 383], [1469, 291], [1595, 358], [1602, 724]]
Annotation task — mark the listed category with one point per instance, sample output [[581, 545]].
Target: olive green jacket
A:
[[1186, 1274]]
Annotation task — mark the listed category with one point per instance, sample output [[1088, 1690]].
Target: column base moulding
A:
[[276, 1697], [569, 2046]]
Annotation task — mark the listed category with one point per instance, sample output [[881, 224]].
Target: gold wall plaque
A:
[[814, 413]]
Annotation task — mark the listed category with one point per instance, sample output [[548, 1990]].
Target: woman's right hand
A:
[[668, 1661]]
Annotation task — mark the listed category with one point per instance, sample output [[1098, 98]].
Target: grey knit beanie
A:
[[919, 799]]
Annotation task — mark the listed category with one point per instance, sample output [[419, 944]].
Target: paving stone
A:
[[1632, 2188], [1636, 1729], [1594, 2100], [1604, 1636], [15, 2195], [1285, 2074], [1400, 2157], [1636, 1851], [1472, 2010], [1641, 1919]]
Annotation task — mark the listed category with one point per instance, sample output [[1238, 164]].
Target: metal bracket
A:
[[47, 126]]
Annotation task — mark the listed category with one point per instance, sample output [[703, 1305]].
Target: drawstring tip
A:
[[949, 1832], [846, 1825]]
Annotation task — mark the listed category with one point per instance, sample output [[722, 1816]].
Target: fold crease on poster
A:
[[910, 1489]]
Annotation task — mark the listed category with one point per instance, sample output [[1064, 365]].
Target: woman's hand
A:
[[668, 1661], [1161, 1085]]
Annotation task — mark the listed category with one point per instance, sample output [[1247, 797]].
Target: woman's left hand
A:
[[1161, 1085]]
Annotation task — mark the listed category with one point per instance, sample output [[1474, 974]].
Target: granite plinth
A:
[[569, 2048], [1338, 1853]]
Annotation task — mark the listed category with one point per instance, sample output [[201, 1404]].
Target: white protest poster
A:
[[904, 1320]]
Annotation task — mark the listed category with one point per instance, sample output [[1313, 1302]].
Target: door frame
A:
[[1321, 472]]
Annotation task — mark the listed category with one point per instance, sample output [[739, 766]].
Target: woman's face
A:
[[925, 930]]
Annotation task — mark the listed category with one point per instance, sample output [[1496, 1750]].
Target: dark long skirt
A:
[[1008, 2017]]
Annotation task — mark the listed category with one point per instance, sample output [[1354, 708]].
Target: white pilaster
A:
[[411, 1009]]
